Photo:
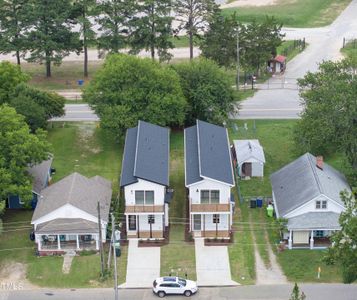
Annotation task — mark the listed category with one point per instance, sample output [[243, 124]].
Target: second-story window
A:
[[144, 197], [321, 204], [209, 196]]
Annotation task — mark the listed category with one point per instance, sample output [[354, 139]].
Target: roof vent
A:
[[320, 162]]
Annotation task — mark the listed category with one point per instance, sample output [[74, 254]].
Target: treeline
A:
[[46, 31]]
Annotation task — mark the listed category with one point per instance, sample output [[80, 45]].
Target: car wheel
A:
[[187, 293], [161, 294]]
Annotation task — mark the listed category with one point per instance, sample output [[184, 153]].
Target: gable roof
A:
[[246, 149], [39, 173], [79, 191], [146, 154], [301, 181], [207, 154]]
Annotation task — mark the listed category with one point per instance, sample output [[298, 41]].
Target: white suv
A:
[[174, 285]]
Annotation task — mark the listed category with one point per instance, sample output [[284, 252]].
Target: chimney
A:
[[320, 162]]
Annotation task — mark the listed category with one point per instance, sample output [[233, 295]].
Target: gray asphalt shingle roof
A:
[[207, 153], [315, 221], [245, 149], [39, 174], [301, 180], [67, 226], [79, 191], [146, 154]]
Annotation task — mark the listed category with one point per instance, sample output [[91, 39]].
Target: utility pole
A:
[[115, 259], [237, 57], [100, 241]]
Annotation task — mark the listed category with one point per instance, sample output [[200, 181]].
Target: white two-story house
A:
[[209, 179], [145, 179], [307, 193]]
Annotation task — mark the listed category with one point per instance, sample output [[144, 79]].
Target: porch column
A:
[[39, 246], [290, 241], [58, 242], [97, 241], [77, 239], [127, 223], [312, 240]]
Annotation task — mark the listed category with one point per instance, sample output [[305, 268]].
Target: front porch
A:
[[313, 239], [64, 242], [145, 226], [210, 225]]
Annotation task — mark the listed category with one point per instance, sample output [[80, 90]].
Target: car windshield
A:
[[182, 281]]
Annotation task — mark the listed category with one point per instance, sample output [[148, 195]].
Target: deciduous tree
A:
[[344, 242], [329, 120], [128, 89], [208, 91], [18, 150]]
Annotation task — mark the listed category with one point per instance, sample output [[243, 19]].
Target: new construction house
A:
[[209, 179], [145, 179]]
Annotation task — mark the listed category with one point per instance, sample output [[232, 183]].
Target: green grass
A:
[[178, 257], [301, 265], [285, 46], [350, 49], [178, 254], [64, 77], [299, 13], [122, 262], [241, 252], [85, 148]]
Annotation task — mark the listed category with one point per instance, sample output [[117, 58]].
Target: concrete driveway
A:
[[143, 265], [212, 265]]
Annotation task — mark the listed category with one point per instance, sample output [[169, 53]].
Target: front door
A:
[[247, 169], [197, 223]]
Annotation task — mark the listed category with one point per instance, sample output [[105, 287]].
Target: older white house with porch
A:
[[249, 158], [145, 180], [66, 215], [209, 179], [307, 193]]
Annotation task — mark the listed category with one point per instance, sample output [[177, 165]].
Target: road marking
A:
[[270, 109]]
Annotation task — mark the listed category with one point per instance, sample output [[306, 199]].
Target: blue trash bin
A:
[[80, 82], [259, 202]]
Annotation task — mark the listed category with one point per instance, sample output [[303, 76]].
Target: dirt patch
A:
[[85, 138], [252, 3], [13, 277]]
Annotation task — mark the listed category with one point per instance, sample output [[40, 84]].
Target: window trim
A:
[[210, 196], [145, 191]]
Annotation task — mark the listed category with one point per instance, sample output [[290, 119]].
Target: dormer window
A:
[[321, 204]]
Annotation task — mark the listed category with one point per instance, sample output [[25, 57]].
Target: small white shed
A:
[[249, 158]]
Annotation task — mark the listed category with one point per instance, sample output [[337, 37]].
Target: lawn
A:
[[299, 13], [301, 265], [350, 49], [178, 255]]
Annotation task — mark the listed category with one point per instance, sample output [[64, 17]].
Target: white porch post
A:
[[290, 241], [127, 223], [312, 240], [97, 241], [39, 239], [58, 242], [77, 240]]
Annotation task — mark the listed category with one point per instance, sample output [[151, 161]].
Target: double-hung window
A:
[[216, 219], [321, 204], [144, 197], [209, 196]]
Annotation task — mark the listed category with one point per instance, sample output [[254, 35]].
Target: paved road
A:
[[77, 112], [276, 292], [324, 44]]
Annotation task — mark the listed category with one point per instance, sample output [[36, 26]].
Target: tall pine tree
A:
[[152, 28], [193, 16], [51, 36], [13, 26], [113, 20]]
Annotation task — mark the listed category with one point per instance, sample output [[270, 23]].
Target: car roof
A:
[[167, 279]]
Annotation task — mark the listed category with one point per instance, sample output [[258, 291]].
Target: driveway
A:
[[212, 265], [143, 265]]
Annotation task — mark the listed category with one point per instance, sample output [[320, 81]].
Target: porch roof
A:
[[315, 221], [67, 226]]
